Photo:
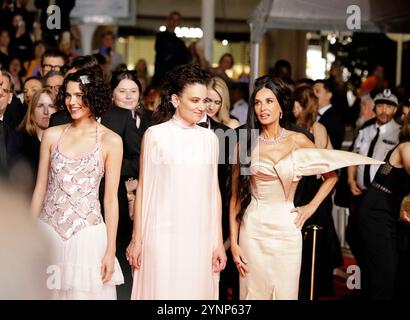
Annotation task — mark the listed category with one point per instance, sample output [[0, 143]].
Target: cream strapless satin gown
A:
[[268, 236]]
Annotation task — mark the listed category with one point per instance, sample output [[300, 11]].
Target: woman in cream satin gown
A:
[[266, 240]]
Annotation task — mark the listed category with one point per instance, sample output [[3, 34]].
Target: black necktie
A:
[[203, 124], [366, 176]]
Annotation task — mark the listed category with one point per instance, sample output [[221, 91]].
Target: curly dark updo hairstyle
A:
[[253, 127], [97, 92], [174, 83]]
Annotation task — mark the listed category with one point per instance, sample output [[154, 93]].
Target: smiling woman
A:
[[265, 227], [219, 103], [178, 204], [73, 160]]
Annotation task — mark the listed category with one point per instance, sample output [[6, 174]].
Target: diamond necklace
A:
[[273, 141]]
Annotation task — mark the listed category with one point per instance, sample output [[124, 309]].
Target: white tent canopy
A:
[[329, 15]]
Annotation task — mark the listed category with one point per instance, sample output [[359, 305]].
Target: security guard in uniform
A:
[[374, 140]]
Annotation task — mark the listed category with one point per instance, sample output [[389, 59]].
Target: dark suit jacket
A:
[[12, 146], [14, 113], [170, 51], [30, 150], [333, 121], [146, 121], [223, 171]]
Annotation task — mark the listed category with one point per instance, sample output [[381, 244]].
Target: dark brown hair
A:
[[309, 102], [175, 82], [283, 95], [97, 93]]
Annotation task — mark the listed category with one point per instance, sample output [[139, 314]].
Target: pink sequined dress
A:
[[71, 218]]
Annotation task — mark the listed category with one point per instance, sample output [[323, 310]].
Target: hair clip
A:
[[84, 80]]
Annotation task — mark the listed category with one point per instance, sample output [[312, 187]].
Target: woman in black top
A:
[[378, 220], [31, 129]]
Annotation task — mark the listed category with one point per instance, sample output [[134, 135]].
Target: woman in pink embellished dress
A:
[[176, 246], [73, 159]]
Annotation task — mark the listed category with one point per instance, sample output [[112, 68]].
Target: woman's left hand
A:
[[219, 258], [303, 213], [107, 267]]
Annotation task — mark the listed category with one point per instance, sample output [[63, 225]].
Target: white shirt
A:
[[387, 140], [240, 111]]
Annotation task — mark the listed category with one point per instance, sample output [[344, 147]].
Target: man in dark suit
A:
[[328, 115], [170, 51], [121, 122], [8, 138], [15, 112]]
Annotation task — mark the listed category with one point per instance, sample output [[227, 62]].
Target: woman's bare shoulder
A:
[[321, 137], [404, 147], [318, 126], [300, 139], [52, 134]]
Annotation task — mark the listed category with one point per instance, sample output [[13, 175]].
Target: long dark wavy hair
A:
[[97, 92], [174, 83], [253, 126]]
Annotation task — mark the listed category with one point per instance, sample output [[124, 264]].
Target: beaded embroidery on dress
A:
[[71, 203]]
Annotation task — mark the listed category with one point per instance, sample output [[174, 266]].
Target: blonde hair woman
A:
[[219, 103], [35, 122], [38, 113]]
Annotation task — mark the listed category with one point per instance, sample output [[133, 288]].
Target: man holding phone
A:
[[107, 49]]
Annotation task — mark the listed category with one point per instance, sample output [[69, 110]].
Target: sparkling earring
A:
[[280, 115], [174, 104]]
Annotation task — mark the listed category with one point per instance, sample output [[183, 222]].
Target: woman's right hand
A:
[[133, 253], [354, 188], [240, 260]]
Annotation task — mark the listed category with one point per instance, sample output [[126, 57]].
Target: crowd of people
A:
[[191, 187]]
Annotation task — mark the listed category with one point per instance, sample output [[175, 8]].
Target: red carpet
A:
[[340, 279]]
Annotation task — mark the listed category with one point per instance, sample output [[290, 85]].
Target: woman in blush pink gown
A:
[[176, 246], [266, 240]]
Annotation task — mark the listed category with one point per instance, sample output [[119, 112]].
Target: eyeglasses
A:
[[56, 87], [210, 101], [6, 91], [51, 67]]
